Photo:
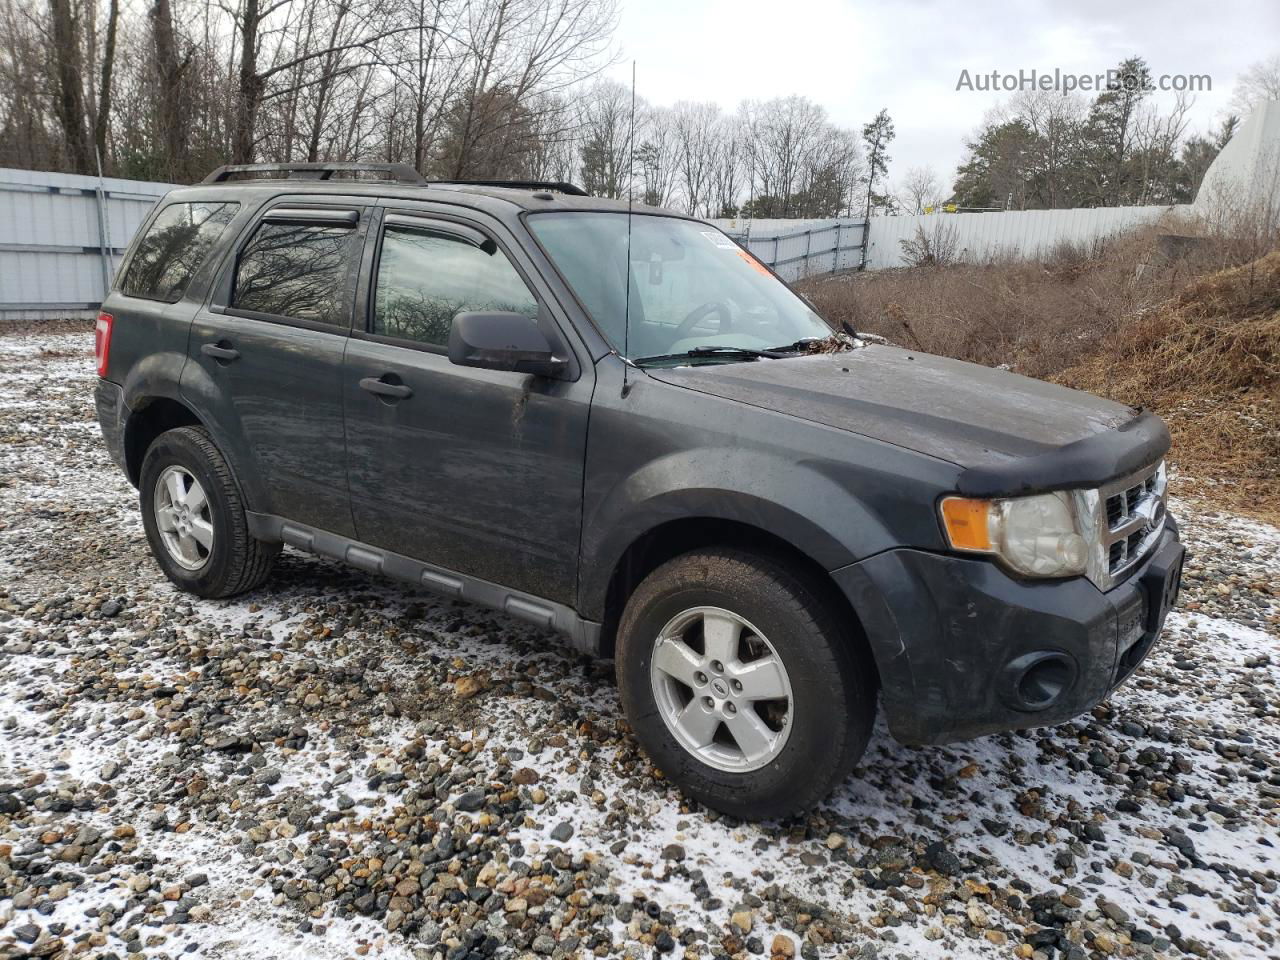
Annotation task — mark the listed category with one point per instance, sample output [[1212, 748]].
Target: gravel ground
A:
[[337, 766]]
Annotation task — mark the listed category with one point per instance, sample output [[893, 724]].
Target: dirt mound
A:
[[1208, 361]]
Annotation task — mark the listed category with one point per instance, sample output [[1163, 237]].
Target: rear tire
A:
[[743, 683], [194, 516]]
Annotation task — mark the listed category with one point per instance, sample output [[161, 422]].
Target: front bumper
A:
[[964, 649]]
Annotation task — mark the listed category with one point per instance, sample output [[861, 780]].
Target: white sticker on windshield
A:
[[719, 239]]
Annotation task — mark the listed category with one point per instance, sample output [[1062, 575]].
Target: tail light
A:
[[102, 341]]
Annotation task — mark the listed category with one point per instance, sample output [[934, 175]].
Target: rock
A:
[[544, 944], [469, 686], [469, 801], [1112, 911], [110, 609], [109, 770], [562, 832], [939, 858], [525, 776], [1184, 844], [673, 851], [743, 920], [835, 841], [782, 946], [27, 933]]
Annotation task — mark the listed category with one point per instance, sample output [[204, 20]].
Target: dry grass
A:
[[1207, 360], [1183, 329]]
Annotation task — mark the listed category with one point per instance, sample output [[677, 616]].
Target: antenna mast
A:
[[626, 272]]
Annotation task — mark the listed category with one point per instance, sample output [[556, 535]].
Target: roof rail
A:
[[398, 172], [558, 186]]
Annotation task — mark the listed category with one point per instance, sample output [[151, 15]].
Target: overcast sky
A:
[[855, 56]]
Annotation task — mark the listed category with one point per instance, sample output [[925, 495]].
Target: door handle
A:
[[399, 391], [220, 352]]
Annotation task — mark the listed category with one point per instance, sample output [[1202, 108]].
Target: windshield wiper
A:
[[709, 351], [800, 346]]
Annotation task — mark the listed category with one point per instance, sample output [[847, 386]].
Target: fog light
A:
[[1037, 681]]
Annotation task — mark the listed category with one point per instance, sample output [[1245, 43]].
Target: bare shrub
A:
[[936, 247], [1070, 258]]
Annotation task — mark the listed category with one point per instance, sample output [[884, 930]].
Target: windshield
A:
[[692, 288]]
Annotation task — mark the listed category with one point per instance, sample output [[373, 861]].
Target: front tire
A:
[[743, 683], [194, 516]]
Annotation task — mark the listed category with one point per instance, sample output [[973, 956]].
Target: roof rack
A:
[[397, 172], [558, 186]]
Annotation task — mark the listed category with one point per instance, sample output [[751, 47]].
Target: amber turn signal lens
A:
[[967, 523]]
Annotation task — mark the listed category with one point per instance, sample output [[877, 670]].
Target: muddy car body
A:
[[453, 384]]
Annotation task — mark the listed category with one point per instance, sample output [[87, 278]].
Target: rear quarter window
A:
[[173, 248]]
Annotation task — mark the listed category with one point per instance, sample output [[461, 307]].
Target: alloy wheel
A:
[[722, 689], [183, 517]]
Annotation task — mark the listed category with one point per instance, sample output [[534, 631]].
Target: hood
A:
[[967, 414]]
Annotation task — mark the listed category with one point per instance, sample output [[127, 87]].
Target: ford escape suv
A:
[[619, 425]]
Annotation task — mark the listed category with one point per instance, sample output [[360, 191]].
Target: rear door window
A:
[[171, 251], [297, 268]]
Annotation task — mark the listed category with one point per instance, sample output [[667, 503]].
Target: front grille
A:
[[1135, 509]]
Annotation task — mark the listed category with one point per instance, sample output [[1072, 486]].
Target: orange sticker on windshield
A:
[[756, 264]]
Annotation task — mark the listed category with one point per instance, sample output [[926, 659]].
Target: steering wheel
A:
[[701, 313]]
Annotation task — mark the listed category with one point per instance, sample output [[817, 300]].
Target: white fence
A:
[[801, 248], [1025, 234], [62, 236], [61, 239]]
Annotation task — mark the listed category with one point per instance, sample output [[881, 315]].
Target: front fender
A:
[[791, 501], [658, 453]]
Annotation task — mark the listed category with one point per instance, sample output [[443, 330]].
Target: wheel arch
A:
[[148, 420], [674, 538]]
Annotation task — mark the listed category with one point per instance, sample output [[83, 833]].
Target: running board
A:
[[584, 635]]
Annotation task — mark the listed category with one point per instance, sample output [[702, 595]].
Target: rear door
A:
[[477, 471], [266, 356]]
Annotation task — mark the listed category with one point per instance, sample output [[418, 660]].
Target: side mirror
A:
[[503, 341]]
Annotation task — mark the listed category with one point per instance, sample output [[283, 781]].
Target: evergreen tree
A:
[[876, 137]]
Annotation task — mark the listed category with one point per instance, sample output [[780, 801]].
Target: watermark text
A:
[[1060, 81]]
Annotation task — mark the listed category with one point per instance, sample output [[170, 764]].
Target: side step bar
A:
[[584, 635]]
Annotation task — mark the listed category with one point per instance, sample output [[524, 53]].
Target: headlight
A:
[[1035, 536]]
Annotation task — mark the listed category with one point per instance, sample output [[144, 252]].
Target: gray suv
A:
[[617, 424]]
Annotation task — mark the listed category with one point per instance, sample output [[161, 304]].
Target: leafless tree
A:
[[656, 156], [919, 190], [1258, 83], [604, 136], [696, 127], [66, 52], [728, 167]]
